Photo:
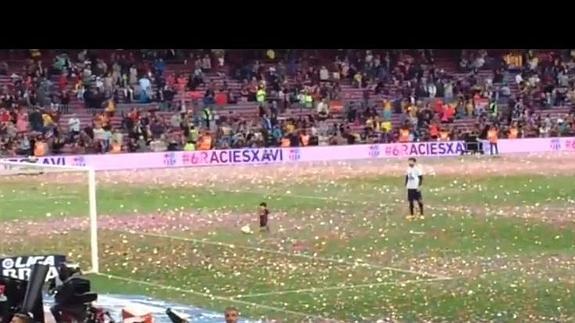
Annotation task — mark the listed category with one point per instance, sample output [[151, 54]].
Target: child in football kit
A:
[[264, 214]]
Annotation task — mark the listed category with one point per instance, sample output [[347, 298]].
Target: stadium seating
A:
[[446, 60]]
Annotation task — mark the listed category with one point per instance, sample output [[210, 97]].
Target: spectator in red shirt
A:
[[447, 113], [438, 108], [63, 81], [171, 80], [4, 115], [221, 98]]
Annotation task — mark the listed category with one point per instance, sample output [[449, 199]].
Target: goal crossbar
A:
[[94, 259]]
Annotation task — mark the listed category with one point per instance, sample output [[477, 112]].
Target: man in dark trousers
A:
[[413, 181]]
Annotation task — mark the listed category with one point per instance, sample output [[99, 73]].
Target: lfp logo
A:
[[79, 161], [170, 159], [374, 151], [294, 154], [555, 144]]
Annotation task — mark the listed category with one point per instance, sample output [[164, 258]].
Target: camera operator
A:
[[64, 289]]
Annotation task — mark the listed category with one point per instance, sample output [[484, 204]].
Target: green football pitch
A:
[[496, 246]]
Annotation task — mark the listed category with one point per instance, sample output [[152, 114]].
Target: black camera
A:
[[73, 297]]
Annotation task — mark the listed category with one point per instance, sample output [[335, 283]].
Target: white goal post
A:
[[30, 168]]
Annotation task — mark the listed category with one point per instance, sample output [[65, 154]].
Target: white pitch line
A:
[[309, 197], [313, 197], [325, 198], [39, 198], [283, 253], [221, 298], [322, 289], [295, 227]]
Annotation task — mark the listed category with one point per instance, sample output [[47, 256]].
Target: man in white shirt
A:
[[432, 90], [322, 108], [146, 85], [73, 126], [99, 137], [176, 120], [505, 90], [323, 74], [518, 78], [413, 181], [99, 83], [534, 80]]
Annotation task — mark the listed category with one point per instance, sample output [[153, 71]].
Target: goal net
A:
[[48, 215]]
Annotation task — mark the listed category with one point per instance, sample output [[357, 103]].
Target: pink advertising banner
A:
[[264, 156]]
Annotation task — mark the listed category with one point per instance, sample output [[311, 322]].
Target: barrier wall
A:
[[291, 155]]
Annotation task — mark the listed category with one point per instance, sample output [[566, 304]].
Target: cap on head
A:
[[264, 204], [412, 159]]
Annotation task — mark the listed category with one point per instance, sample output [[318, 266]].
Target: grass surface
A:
[[343, 249]]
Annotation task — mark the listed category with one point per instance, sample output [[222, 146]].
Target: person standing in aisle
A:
[[492, 137]]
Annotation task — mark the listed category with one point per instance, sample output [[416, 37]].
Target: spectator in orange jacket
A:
[[492, 137]]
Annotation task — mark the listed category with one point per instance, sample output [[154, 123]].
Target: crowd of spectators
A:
[[431, 99], [405, 96]]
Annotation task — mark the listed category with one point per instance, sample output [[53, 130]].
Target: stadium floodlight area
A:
[[29, 186]]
